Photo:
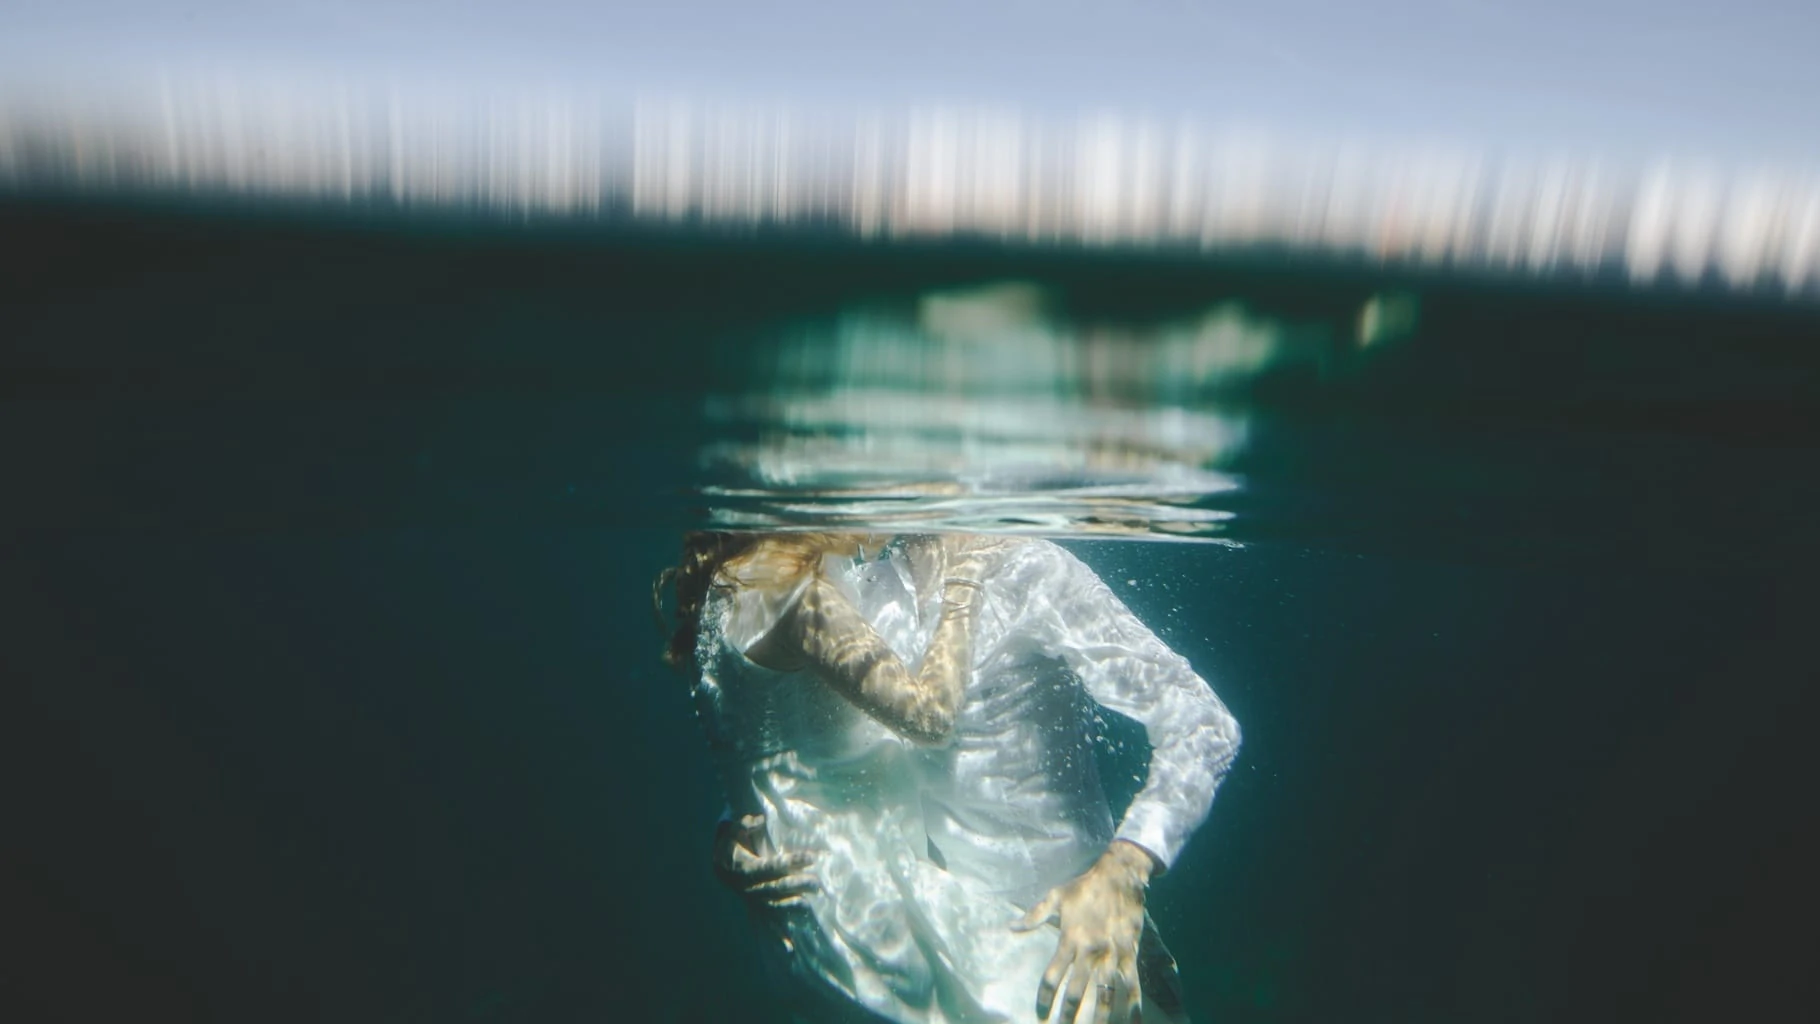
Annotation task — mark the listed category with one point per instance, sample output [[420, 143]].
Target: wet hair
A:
[[712, 559]]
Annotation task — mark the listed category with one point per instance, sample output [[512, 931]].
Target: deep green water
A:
[[333, 690]]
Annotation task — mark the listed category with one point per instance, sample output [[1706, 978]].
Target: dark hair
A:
[[703, 555]]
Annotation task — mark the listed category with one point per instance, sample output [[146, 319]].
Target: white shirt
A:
[[1015, 800]]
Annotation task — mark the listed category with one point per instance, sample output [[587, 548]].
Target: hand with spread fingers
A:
[[1101, 915], [745, 863]]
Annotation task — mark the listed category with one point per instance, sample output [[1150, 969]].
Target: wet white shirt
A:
[[1015, 800]]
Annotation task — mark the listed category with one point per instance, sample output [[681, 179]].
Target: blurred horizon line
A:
[[931, 172]]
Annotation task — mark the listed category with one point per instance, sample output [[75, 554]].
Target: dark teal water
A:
[[333, 690]]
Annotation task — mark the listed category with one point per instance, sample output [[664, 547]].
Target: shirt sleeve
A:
[[1126, 668]]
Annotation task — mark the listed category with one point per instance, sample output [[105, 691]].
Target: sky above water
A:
[[1730, 81]]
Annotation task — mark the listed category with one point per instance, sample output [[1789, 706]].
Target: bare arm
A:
[[826, 634], [849, 655]]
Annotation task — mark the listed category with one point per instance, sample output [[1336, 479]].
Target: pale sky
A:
[[1735, 81]]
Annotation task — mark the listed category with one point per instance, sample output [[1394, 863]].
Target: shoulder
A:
[[1033, 567], [1053, 560], [738, 617]]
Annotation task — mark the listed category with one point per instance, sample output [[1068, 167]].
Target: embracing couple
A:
[[904, 729]]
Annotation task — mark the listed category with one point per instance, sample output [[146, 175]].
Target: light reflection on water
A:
[[991, 409]]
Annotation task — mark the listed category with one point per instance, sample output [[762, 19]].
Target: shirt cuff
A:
[[1154, 828]]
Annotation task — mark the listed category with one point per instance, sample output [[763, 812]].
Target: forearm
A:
[[851, 657], [940, 683], [924, 705]]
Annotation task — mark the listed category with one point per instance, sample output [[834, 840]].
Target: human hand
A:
[[745, 862], [1101, 915]]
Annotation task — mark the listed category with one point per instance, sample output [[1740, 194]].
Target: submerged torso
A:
[[1015, 801], [889, 934]]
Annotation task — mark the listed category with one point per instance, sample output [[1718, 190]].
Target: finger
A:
[[754, 835], [1052, 980], [783, 863], [745, 876], [1075, 993], [1119, 1012], [748, 831], [764, 869], [789, 885], [1125, 999], [1105, 994], [1039, 915]]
